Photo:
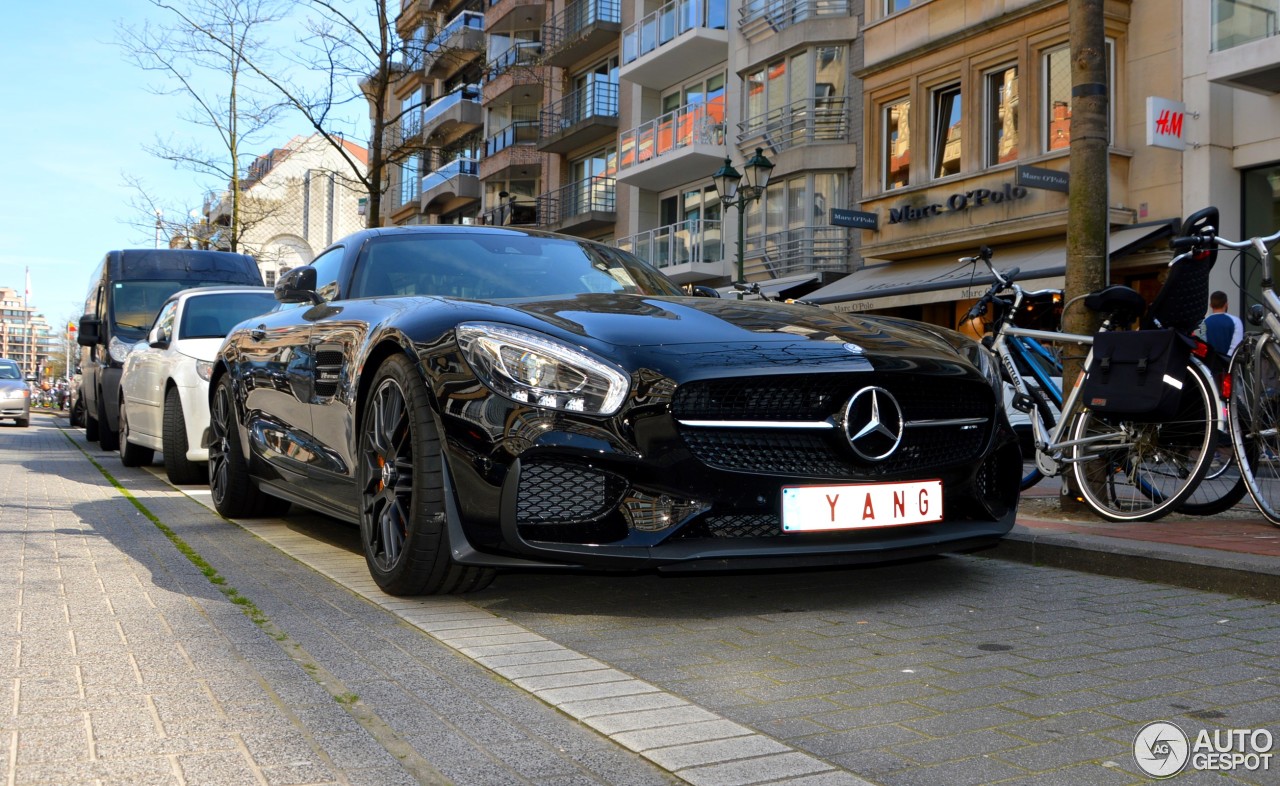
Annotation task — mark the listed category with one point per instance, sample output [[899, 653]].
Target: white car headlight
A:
[[535, 369], [120, 349], [204, 369]]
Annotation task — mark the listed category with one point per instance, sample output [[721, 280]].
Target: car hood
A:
[[199, 348], [12, 384], [630, 321]]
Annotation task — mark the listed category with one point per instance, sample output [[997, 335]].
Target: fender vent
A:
[[328, 372]]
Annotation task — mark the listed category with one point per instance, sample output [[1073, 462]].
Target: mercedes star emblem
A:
[[873, 423]]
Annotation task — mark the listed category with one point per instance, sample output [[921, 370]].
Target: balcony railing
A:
[[691, 124], [804, 122], [472, 19], [456, 167], [577, 17], [668, 22], [444, 103], [756, 15], [521, 132], [800, 250], [411, 124], [593, 195], [677, 244], [1238, 22], [522, 53], [510, 214], [596, 100]]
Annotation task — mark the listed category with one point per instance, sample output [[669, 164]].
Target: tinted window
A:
[[134, 304], [213, 315], [487, 267], [328, 267]]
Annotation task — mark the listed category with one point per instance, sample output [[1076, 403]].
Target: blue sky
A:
[[76, 115]]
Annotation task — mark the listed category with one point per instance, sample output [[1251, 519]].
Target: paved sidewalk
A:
[[121, 662]]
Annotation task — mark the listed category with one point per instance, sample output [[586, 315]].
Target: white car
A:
[[164, 390]]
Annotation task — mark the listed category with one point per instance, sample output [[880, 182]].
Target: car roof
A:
[[183, 294], [358, 237]]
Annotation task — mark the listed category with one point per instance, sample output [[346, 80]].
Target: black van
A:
[[125, 293]]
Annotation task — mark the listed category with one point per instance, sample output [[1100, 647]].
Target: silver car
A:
[[15, 396]]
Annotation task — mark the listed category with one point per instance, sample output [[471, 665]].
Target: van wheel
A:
[[107, 439], [90, 423], [132, 455]]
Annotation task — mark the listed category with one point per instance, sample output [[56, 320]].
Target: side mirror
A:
[[298, 286], [700, 290], [87, 335]]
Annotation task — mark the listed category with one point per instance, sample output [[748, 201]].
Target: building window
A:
[[410, 181], [945, 136], [897, 144], [1057, 96], [1001, 126], [269, 278], [894, 6]]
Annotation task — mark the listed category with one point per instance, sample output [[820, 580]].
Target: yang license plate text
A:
[[860, 506]]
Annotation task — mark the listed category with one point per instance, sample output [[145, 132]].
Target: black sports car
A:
[[479, 397]]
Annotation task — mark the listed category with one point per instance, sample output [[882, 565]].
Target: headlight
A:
[[120, 349], [204, 368], [987, 363], [536, 369]]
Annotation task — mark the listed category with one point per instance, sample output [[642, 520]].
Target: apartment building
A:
[[25, 336], [295, 201]]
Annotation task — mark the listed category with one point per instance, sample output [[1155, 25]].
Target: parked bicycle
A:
[[1254, 394], [1132, 461]]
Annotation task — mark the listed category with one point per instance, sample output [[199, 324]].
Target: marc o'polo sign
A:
[[1045, 179], [857, 219], [961, 200]]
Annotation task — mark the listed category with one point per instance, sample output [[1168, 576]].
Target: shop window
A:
[[945, 136], [1001, 126], [896, 141]]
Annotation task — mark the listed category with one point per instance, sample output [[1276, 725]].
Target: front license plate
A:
[[860, 506]]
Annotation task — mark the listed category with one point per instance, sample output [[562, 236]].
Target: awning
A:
[[943, 279]]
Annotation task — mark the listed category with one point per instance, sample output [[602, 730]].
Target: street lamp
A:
[[734, 192]]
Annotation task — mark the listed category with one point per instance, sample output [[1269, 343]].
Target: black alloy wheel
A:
[[403, 525], [234, 493]]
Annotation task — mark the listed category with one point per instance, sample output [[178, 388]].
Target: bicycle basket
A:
[[1137, 374]]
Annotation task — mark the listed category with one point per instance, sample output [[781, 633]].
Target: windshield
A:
[[500, 266], [213, 315], [134, 304], [10, 371]]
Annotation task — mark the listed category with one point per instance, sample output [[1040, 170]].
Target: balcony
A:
[[794, 251], [504, 16], [1245, 54], [515, 74], [580, 29], [687, 252], [452, 115], [669, 149], [457, 180], [758, 16], [411, 125], [511, 214], [580, 118], [458, 43], [580, 207], [511, 152], [682, 37], [808, 121]]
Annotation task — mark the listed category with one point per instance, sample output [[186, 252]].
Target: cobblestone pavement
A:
[[957, 670]]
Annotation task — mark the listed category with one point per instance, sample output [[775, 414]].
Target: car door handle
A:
[[258, 333]]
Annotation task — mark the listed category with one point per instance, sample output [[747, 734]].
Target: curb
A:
[[1245, 575]]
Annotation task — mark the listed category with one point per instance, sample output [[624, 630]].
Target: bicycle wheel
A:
[[1223, 484], [1255, 414], [1135, 471]]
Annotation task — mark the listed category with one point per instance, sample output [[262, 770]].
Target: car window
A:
[[488, 267], [9, 371], [215, 314], [163, 330], [328, 267]]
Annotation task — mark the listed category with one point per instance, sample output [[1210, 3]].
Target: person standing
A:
[[1222, 331]]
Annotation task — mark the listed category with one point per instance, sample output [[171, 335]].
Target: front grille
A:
[[566, 493], [827, 453], [742, 525]]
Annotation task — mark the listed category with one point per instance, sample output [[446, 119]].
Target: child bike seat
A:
[[1125, 303]]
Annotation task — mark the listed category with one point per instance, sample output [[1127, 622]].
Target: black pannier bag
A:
[[1137, 374]]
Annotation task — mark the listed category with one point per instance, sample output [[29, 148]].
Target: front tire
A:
[[1255, 421], [234, 493], [132, 455], [180, 470], [402, 512]]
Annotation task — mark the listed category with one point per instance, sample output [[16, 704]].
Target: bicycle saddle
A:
[[1125, 303]]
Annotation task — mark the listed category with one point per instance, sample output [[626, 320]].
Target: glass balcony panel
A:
[[686, 242], [668, 22], [472, 19], [756, 15], [441, 105], [1239, 22], [700, 123], [456, 167]]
